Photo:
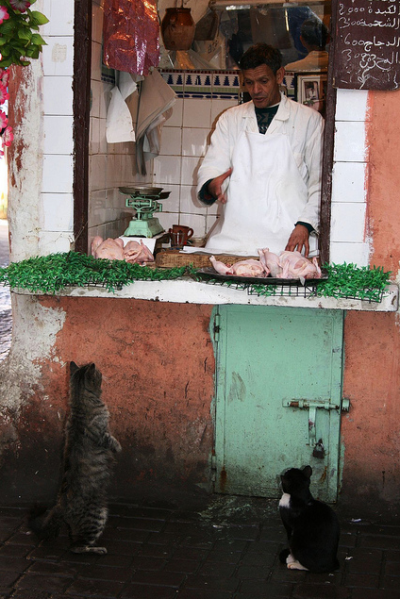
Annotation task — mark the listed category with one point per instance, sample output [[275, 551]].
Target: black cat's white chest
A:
[[284, 502]]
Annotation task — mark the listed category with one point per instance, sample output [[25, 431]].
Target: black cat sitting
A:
[[312, 526]]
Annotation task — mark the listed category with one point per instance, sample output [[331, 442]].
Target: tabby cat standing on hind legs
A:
[[82, 498], [312, 526]]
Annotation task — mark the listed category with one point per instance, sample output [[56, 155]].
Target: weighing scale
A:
[[145, 201]]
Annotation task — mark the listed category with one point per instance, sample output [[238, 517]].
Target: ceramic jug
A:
[[178, 29]]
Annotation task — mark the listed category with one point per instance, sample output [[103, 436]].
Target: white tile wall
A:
[[60, 15], [351, 253], [175, 120], [351, 105], [197, 113], [57, 95], [178, 166], [348, 182], [57, 135], [349, 209], [53, 242], [57, 174], [56, 212], [348, 222], [194, 142], [58, 56], [350, 142]]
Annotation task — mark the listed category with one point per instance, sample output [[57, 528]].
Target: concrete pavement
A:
[[228, 550]]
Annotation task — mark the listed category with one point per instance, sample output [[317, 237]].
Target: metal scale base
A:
[[144, 200], [144, 228]]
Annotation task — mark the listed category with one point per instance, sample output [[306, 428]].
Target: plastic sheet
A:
[[131, 35]]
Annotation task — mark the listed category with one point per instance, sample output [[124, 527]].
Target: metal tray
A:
[[209, 273], [142, 190]]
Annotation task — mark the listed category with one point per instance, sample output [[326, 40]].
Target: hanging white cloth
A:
[[119, 125], [156, 100]]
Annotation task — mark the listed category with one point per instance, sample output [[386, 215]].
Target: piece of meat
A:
[[95, 244], [271, 262], [137, 253], [220, 267], [243, 268], [296, 266], [250, 268], [110, 249]]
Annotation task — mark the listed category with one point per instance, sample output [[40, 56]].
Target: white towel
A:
[[156, 100], [119, 125]]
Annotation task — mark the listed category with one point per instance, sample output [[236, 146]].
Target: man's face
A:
[[263, 85]]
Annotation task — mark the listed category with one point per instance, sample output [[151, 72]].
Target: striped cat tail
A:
[[46, 524]]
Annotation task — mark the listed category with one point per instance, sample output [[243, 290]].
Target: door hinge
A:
[[216, 328]]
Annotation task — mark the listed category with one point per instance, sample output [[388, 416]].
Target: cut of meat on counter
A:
[[244, 268], [134, 252], [286, 265]]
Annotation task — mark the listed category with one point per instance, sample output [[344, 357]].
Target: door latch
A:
[[312, 405]]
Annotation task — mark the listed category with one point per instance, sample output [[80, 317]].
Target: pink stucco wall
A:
[[157, 363], [371, 431]]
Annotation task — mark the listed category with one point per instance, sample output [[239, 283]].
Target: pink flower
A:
[[8, 136], [20, 5], [4, 95], [4, 76], [3, 14], [3, 120]]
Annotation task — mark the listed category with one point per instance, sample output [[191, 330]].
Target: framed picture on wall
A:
[[311, 90]]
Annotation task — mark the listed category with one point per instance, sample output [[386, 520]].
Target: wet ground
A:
[[228, 550], [5, 300]]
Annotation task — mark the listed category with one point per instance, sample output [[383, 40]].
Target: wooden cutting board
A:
[[172, 258]]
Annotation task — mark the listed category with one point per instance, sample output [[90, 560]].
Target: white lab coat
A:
[[276, 178]]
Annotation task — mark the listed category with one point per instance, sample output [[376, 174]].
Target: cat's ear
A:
[[307, 471], [73, 367]]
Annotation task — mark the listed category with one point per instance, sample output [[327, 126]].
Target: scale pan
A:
[[141, 190]]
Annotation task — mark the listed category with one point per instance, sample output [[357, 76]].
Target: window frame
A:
[[81, 112]]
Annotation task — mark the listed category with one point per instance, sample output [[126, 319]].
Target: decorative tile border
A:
[[203, 84]]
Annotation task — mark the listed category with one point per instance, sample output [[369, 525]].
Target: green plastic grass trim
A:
[[50, 274], [344, 281]]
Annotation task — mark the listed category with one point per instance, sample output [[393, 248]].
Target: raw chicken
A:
[[110, 249], [295, 266], [271, 262], [137, 253], [243, 268], [95, 244], [113, 249]]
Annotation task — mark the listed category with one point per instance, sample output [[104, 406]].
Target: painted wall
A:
[[158, 366]]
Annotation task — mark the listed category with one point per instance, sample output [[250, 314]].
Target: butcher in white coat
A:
[[264, 165]]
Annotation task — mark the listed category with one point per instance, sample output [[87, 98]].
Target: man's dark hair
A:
[[260, 54], [314, 32]]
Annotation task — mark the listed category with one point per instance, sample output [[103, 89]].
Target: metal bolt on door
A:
[[278, 397]]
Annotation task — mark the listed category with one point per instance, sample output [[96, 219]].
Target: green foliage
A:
[[18, 40], [50, 274], [343, 281]]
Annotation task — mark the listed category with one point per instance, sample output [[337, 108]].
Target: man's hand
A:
[[215, 187], [299, 240]]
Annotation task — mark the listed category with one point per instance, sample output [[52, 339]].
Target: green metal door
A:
[[278, 397]]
